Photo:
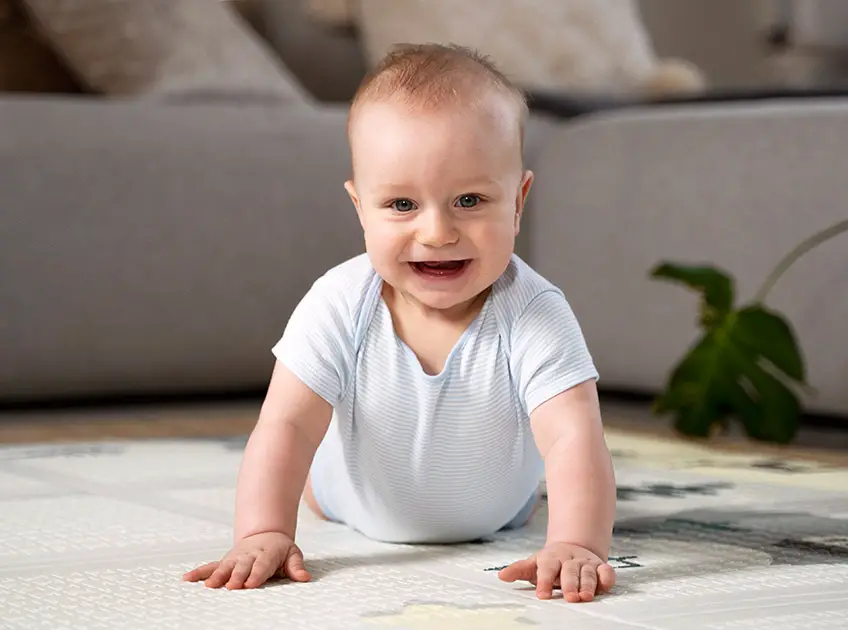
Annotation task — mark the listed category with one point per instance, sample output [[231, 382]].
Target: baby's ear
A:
[[521, 197], [351, 191]]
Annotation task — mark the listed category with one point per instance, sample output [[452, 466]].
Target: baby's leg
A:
[[311, 502], [527, 512]]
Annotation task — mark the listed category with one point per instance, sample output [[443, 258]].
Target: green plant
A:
[[746, 364]]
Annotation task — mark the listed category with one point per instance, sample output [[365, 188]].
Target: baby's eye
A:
[[469, 201], [403, 205]]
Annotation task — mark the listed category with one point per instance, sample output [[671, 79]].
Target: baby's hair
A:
[[432, 76]]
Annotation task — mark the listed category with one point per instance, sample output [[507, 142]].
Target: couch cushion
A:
[[170, 268], [163, 48]]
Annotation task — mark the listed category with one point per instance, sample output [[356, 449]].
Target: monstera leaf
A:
[[741, 366], [746, 365]]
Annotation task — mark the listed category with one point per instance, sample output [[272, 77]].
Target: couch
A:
[[155, 248]]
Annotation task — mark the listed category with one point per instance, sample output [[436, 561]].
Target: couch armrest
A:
[[737, 186], [151, 248]]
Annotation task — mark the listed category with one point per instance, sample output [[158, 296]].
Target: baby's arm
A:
[[578, 469], [292, 422], [555, 378], [581, 499], [315, 360]]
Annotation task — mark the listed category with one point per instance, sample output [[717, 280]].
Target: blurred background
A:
[[171, 175]]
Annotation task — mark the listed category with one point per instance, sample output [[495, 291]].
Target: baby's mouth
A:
[[440, 268]]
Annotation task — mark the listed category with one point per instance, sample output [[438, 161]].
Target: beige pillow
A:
[[164, 48], [552, 45], [336, 13]]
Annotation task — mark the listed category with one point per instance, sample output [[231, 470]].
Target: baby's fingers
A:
[[547, 572], [570, 581], [524, 570], [201, 573], [295, 568], [221, 574], [241, 572], [588, 582], [264, 567], [606, 578]]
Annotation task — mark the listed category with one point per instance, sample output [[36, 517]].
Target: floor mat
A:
[[98, 535]]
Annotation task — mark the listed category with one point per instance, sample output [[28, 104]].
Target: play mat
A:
[[97, 535]]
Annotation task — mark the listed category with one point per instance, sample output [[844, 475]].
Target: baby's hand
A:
[[252, 562], [578, 572]]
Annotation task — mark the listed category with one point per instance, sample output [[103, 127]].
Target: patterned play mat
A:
[[98, 535]]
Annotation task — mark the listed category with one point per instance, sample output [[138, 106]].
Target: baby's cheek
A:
[[495, 239], [382, 239], [387, 252]]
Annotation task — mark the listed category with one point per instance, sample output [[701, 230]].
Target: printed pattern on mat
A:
[[98, 536]]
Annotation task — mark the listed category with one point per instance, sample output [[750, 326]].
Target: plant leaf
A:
[[723, 375], [697, 390], [767, 334], [715, 285], [768, 409]]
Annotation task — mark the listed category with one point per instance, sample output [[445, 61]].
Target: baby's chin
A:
[[438, 290], [453, 305]]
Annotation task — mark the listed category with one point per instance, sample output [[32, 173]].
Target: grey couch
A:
[[150, 249]]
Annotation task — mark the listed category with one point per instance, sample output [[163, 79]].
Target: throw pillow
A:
[[577, 46], [337, 13], [164, 49]]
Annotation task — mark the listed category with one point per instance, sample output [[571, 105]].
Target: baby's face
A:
[[439, 196]]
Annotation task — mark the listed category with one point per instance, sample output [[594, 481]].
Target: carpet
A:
[[97, 535]]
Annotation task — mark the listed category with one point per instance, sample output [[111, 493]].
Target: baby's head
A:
[[436, 136]]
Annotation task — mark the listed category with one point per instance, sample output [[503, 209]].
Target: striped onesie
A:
[[417, 458]]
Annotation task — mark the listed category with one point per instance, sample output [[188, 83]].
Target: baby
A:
[[422, 388]]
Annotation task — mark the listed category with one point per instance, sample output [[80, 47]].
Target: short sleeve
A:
[[548, 353], [318, 342]]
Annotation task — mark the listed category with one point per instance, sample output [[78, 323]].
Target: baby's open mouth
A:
[[440, 268]]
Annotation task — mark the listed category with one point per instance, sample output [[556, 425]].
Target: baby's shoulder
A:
[[347, 278], [345, 287], [518, 287]]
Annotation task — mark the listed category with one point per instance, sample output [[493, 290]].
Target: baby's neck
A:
[[430, 333], [406, 307]]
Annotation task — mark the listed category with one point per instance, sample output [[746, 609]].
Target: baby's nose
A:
[[437, 229]]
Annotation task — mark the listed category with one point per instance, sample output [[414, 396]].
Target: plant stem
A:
[[801, 249]]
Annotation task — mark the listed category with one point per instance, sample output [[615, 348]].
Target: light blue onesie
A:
[[417, 458]]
